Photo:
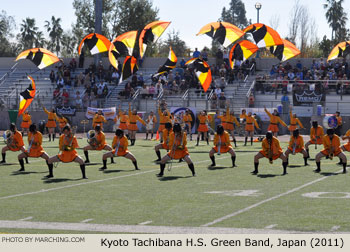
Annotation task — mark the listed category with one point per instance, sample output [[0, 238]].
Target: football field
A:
[[219, 199]]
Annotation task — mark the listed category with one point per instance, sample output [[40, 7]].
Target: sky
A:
[[187, 16]]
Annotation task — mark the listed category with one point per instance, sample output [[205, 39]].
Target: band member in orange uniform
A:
[[98, 143], [223, 119], [13, 143], [62, 122], [187, 119], [26, 121], [165, 145], [331, 143], [231, 119], [250, 122], [35, 149], [124, 121], [178, 149], [293, 122], [222, 145], [271, 149], [339, 123], [133, 118], [151, 123], [316, 136], [98, 119], [51, 123], [120, 149], [203, 127], [68, 144], [296, 145], [164, 117], [274, 120]]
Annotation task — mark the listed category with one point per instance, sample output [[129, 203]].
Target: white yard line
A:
[[87, 220], [263, 202], [95, 181], [110, 228], [25, 219], [271, 226], [145, 223]]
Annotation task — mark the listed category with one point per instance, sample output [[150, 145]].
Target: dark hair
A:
[[12, 127], [168, 125], [119, 132], [220, 129], [269, 135], [330, 131], [67, 127], [296, 133], [98, 127], [177, 127], [314, 124], [32, 127]]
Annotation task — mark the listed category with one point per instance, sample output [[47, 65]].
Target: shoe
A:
[[159, 175], [21, 169], [84, 177], [49, 176], [87, 162], [157, 160], [2, 162], [254, 172], [284, 173], [102, 169], [194, 175], [234, 166], [137, 169], [317, 170]]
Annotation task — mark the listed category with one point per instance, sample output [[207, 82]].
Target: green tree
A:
[[325, 46], [69, 44], [179, 46], [39, 40], [28, 32], [336, 18], [235, 14], [55, 31]]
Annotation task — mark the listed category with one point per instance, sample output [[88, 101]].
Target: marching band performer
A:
[[26, 121], [51, 123], [224, 118], [178, 149], [124, 121], [165, 145], [62, 122], [203, 127], [231, 119], [35, 149], [14, 142], [98, 119], [316, 136], [222, 145], [97, 142], [120, 149], [293, 121], [250, 122], [339, 123], [331, 143], [274, 120], [187, 119], [67, 145], [271, 149], [133, 118], [151, 123], [164, 117], [345, 147], [296, 145]]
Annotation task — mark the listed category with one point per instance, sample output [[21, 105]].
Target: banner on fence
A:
[[67, 111], [108, 113], [308, 97]]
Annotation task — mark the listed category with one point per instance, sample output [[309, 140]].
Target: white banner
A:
[[108, 113], [179, 110]]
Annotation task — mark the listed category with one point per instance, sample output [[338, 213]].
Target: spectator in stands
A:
[[152, 91], [182, 63], [251, 101], [299, 65], [196, 53], [80, 79], [78, 100], [140, 80], [170, 76], [183, 86], [105, 91], [65, 97], [204, 54], [52, 77], [167, 88], [225, 57], [217, 90], [93, 101], [73, 64], [60, 82], [144, 92], [222, 100], [159, 87], [177, 78], [115, 77], [222, 83], [81, 59], [175, 87], [214, 101], [127, 90], [222, 71], [219, 57], [57, 97]]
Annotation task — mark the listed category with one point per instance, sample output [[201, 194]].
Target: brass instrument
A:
[[331, 154], [219, 146], [270, 153], [91, 138], [8, 137], [294, 147]]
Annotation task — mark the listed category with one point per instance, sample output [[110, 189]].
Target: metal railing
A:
[[185, 95], [160, 95], [135, 95]]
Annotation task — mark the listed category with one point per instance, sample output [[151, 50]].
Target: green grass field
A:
[[219, 198]]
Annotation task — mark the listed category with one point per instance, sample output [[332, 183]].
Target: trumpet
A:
[[270, 153], [219, 146], [294, 147], [331, 154], [8, 137], [91, 138]]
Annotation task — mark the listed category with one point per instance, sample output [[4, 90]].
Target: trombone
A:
[[270, 153]]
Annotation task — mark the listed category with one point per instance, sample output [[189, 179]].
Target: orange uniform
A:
[[51, 117], [62, 122], [293, 122], [274, 120], [223, 120], [120, 146], [101, 141], [98, 119], [132, 121], [339, 121], [203, 127], [16, 143], [347, 145], [166, 134], [124, 121], [187, 119], [296, 143], [331, 146], [275, 148], [35, 141], [230, 121], [250, 122], [223, 141], [163, 119], [68, 155], [243, 116], [318, 134], [177, 146], [26, 121]]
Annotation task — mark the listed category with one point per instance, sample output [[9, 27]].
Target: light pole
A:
[[258, 7]]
